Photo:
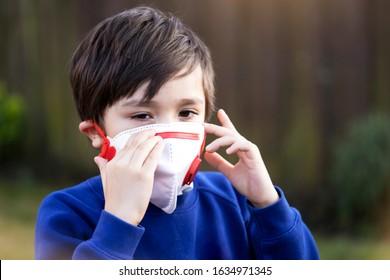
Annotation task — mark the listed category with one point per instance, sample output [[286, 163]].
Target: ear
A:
[[87, 128]]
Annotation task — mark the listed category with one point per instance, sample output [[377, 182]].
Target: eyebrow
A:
[[135, 102], [191, 101], [181, 102]]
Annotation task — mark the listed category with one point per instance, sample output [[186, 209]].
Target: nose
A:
[[167, 118]]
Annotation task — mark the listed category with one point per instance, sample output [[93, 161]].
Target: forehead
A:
[[188, 87]]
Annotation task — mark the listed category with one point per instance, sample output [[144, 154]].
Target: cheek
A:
[[116, 126]]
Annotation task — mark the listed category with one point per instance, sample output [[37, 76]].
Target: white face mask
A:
[[184, 143]]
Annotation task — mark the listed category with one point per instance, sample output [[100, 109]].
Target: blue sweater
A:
[[212, 221]]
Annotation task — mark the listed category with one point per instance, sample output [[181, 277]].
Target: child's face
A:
[[179, 100]]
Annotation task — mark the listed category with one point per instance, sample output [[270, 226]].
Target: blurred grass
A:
[[19, 202], [347, 248]]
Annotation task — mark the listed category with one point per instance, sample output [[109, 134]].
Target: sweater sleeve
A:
[[112, 239], [67, 229], [278, 232]]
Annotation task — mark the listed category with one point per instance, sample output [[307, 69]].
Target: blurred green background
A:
[[307, 80]]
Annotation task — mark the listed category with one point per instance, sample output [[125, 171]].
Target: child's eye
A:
[[187, 114], [141, 117]]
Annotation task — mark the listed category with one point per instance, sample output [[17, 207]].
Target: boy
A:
[[143, 86]]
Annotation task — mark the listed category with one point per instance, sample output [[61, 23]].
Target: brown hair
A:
[[129, 49]]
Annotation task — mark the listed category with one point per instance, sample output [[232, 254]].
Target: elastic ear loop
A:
[[107, 151], [195, 165]]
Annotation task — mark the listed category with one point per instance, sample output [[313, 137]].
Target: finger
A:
[[218, 162], [241, 145], [150, 163], [220, 142], [225, 120], [140, 137], [102, 165], [133, 142], [144, 150], [216, 130]]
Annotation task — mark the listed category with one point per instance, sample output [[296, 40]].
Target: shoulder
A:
[[211, 180], [88, 192], [217, 185]]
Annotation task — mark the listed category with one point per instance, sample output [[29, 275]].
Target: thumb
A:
[[218, 162], [102, 164]]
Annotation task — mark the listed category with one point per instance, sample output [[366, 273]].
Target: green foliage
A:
[[301, 148], [340, 247], [11, 122], [361, 171]]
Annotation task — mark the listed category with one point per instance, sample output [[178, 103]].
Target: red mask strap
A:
[[195, 165], [107, 151]]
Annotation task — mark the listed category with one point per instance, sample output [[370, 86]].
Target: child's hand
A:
[[249, 175], [128, 177]]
